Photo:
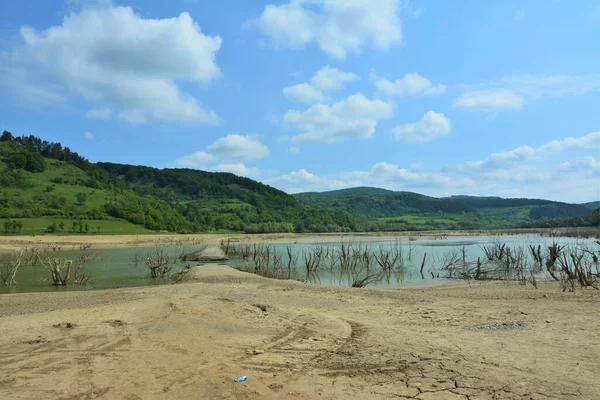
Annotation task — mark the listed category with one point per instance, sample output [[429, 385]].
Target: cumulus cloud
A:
[[514, 91], [489, 100], [502, 159], [352, 118], [236, 168], [431, 126], [229, 152], [238, 147], [113, 56], [587, 142], [522, 172], [411, 84], [304, 181], [382, 174], [88, 136], [98, 113], [338, 27], [324, 80], [195, 160], [590, 142], [585, 165], [304, 93]]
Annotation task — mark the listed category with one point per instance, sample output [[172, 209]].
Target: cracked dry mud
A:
[[188, 341]]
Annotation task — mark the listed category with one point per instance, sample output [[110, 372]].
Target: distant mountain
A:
[[372, 203], [498, 202], [406, 210], [592, 205], [356, 191]]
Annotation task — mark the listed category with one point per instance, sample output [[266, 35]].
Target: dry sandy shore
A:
[[299, 341], [104, 241]]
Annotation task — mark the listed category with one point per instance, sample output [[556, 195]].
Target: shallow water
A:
[[111, 268], [437, 250], [115, 268]]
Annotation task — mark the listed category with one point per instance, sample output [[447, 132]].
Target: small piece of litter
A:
[[241, 378]]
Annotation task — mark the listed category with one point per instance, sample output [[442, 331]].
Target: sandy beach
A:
[[300, 341]]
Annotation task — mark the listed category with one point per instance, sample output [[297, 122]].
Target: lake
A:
[[116, 268]]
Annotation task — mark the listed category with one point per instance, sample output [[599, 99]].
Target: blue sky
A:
[[468, 97]]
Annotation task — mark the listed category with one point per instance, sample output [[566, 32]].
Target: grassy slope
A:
[[38, 226], [37, 184]]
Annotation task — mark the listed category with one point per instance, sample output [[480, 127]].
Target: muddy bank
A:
[[299, 341]]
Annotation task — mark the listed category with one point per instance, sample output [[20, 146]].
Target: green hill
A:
[[389, 210], [45, 180], [46, 187], [592, 205]]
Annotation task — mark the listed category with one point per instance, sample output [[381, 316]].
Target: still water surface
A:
[[115, 268]]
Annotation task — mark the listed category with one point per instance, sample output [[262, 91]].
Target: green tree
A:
[[51, 228], [19, 226], [61, 225], [6, 137], [74, 226], [80, 223], [15, 159], [7, 225], [81, 198], [35, 163], [98, 229], [87, 227], [50, 188]]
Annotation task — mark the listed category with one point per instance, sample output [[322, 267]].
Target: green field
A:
[[39, 226]]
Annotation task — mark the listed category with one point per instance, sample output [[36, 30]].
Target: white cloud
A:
[[294, 150], [113, 56], [381, 174], [586, 164], [236, 168], [590, 142], [526, 171], [88, 136], [304, 181], [328, 78], [98, 113], [411, 84], [352, 118], [304, 93], [325, 79], [489, 100], [339, 27], [431, 126], [502, 159], [195, 160], [512, 92], [229, 153], [238, 147]]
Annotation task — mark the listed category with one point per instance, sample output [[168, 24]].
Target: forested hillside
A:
[[46, 187], [44, 179]]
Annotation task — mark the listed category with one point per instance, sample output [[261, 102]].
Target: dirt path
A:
[[298, 341]]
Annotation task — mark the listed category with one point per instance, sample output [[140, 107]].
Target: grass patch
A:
[[39, 226]]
